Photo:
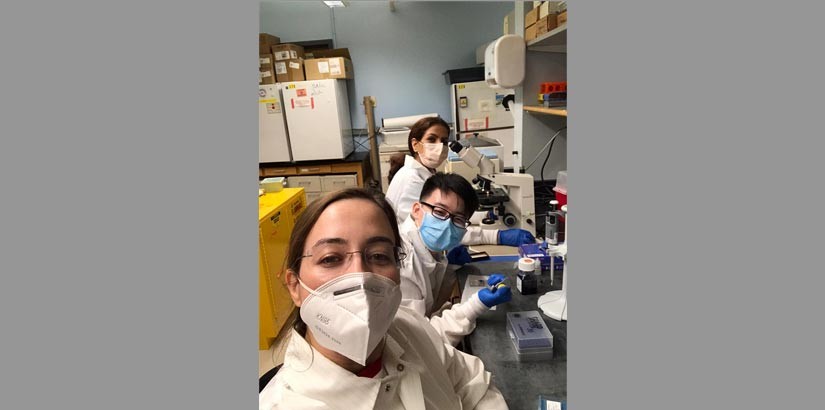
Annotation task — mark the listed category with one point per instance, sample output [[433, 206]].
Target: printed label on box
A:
[[302, 92], [303, 102], [282, 55], [335, 66], [294, 54], [323, 67], [264, 61], [280, 68], [265, 74], [294, 66]]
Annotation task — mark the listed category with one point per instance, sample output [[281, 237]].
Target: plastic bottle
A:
[[526, 280]]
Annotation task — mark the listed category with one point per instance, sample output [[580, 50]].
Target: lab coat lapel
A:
[[338, 387], [410, 391]]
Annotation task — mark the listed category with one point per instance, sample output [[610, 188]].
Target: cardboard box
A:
[[266, 76], [530, 33], [335, 52], [265, 61], [561, 19], [287, 52], [326, 68], [264, 38], [546, 24], [289, 70], [509, 24], [544, 9], [531, 17]]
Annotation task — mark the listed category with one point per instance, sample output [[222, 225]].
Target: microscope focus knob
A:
[[510, 219]]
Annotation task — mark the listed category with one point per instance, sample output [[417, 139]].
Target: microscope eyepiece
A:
[[456, 146]]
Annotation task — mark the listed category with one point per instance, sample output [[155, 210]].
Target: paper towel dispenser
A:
[[504, 62]]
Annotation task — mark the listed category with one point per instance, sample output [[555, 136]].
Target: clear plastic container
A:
[[530, 336]]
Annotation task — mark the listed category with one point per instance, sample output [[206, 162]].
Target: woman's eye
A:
[[380, 258], [329, 260]]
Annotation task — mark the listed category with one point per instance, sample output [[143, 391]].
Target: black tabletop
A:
[[521, 383]]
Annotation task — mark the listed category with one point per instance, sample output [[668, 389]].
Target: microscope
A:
[[506, 200]]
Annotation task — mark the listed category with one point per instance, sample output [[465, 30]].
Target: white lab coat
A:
[[405, 189], [418, 372], [422, 275]]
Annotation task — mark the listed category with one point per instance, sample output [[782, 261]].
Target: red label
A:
[[312, 101], [486, 122], [292, 100], [302, 92]]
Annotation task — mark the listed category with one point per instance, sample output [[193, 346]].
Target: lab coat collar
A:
[[307, 365], [350, 391], [419, 168]]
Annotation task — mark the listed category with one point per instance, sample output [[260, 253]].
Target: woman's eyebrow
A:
[[340, 241], [376, 239]]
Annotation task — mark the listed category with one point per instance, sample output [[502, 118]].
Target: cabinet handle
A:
[[310, 169]]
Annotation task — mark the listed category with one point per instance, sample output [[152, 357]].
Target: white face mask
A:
[[433, 155], [351, 313]]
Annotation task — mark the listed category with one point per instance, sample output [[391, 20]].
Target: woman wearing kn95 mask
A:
[[428, 149], [353, 347]]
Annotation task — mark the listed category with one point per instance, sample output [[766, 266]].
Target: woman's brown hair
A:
[[416, 133]]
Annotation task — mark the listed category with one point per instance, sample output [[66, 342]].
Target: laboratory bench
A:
[[521, 383]]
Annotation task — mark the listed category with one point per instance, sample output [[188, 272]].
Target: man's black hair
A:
[[452, 183]]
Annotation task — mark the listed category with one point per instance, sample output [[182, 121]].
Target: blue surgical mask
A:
[[440, 235]]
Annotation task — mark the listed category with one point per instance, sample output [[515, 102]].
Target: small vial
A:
[[526, 280]]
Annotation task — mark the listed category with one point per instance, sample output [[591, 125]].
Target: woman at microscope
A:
[[427, 144]]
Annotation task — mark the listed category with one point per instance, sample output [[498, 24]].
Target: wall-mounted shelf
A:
[[560, 111], [554, 41]]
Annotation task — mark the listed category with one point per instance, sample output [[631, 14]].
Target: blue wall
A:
[[398, 57]]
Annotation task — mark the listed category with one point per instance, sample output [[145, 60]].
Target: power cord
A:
[[545, 147], [549, 151]]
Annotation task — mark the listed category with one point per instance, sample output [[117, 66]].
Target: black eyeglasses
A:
[[444, 214]]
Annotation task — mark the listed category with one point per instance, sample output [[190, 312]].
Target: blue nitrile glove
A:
[[498, 295], [459, 256], [495, 278], [515, 237]]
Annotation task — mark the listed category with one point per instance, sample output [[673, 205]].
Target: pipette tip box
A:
[[531, 338]]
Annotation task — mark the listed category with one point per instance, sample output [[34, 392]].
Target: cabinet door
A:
[[266, 322], [274, 234]]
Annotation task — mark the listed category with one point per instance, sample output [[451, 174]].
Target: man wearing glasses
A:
[[436, 223]]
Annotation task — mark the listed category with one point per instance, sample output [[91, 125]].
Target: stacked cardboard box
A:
[[329, 64], [531, 30], [265, 41], [289, 62], [544, 18], [266, 66], [267, 73]]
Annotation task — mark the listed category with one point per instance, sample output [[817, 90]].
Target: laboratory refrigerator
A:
[[317, 116], [273, 140], [478, 109]]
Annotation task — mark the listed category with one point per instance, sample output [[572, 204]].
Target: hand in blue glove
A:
[[498, 295], [459, 256], [495, 278], [515, 237]]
